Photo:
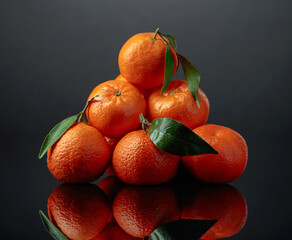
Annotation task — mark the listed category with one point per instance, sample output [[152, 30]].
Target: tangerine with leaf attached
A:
[[136, 160], [223, 167], [142, 60], [80, 155], [115, 111], [177, 103]]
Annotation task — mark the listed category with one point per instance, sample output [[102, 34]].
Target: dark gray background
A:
[[53, 52]]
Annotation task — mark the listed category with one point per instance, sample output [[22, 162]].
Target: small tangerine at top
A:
[[142, 60]]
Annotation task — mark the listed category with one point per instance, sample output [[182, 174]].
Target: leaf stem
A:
[[154, 37], [144, 122], [81, 114]]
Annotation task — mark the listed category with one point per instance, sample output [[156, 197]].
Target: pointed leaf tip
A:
[[193, 77], [51, 228], [56, 133], [175, 138], [168, 69]]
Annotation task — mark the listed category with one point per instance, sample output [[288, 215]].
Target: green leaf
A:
[[172, 41], [50, 227], [56, 133], [192, 75], [168, 69], [187, 229], [175, 138]]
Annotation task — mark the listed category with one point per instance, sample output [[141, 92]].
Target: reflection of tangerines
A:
[[112, 142], [142, 60], [140, 210], [146, 92], [113, 232], [222, 202], [116, 109], [67, 160], [223, 167], [79, 211], [177, 103], [110, 185], [136, 160]]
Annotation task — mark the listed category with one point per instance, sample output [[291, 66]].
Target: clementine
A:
[[136, 160], [80, 155], [79, 211], [140, 210], [222, 202], [116, 109], [177, 103], [223, 167], [142, 60]]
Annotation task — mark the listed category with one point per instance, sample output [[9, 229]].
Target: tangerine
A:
[[115, 111], [223, 167], [136, 160], [178, 103], [80, 155], [140, 210], [142, 60], [221, 202], [79, 211]]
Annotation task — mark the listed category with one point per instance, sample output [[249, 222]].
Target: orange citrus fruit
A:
[[136, 160], [80, 155], [142, 60], [79, 211], [223, 167], [116, 109], [140, 210], [222, 202], [177, 103]]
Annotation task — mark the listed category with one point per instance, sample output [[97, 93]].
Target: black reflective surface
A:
[[52, 54]]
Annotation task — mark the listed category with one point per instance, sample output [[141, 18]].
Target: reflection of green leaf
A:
[[56, 133], [168, 69], [187, 229], [175, 138], [192, 75], [52, 230]]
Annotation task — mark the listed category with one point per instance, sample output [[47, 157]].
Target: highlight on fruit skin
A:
[[224, 167], [80, 211], [80, 155]]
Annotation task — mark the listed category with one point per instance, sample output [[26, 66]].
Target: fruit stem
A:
[[144, 122], [163, 39], [154, 37], [81, 114]]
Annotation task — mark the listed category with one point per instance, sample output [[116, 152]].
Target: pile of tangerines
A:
[[107, 136]]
